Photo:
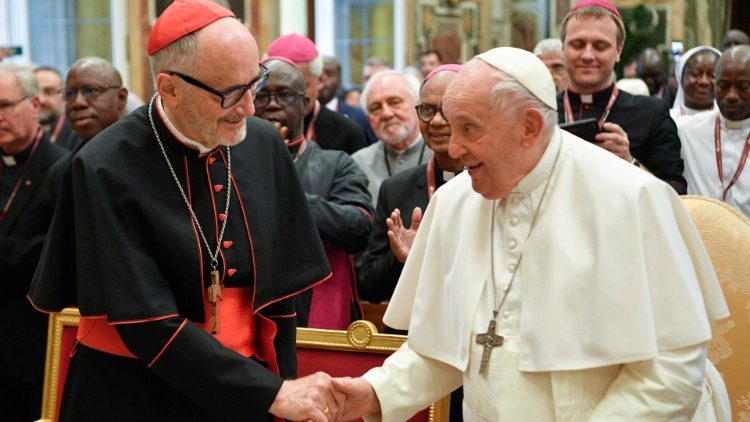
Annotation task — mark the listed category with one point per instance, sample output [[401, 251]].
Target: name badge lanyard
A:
[[720, 164], [602, 119]]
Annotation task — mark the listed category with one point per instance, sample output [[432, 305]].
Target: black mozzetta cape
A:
[[123, 245]]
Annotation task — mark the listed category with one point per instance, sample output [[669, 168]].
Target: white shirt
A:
[[608, 315], [699, 154]]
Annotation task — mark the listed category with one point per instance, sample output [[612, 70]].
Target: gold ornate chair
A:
[[351, 353], [726, 234], [61, 338]]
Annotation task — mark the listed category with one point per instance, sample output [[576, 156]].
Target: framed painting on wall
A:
[[457, 29]]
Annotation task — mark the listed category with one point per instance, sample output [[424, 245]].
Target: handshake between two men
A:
[[321, 398]]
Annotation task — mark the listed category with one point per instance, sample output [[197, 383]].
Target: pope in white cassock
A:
[[716, 144], [552, 279]]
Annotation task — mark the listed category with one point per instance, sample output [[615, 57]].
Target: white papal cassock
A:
[[699, 154], [607, 318]]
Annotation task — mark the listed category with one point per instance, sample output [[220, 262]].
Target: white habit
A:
[[699, 154], [607, 318]]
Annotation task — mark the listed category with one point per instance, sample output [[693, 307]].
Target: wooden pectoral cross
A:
[[214, 296], [489, 340]]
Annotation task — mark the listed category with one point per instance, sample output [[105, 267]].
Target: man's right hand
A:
[[311, 398], [400, 237]]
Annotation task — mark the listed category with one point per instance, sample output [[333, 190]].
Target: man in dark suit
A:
[[328, 128], [409, 192], [637, 129], [26, 157], [329, 96]]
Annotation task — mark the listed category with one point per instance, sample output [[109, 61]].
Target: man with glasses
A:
[[408, 192], [326, 127], [182, 235], [389, 98], [94, 96], [26, 158], [337, 197]]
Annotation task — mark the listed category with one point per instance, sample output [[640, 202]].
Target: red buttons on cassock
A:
[[227, 244], [211, 160], [218, 188], [222, 217], [231, 271]]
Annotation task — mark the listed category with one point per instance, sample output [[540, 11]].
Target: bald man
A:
[[337, 197], [650, 69], [714, 144], [734, 37], [94, 96], [177, 235]]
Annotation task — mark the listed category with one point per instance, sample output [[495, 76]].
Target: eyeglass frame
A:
[[10, 105], [434, 113], [70, 94], [275, 97], [259, 81]]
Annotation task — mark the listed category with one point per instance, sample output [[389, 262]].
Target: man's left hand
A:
[[615, 140]]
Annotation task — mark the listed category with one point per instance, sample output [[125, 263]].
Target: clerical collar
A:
[[541, 171], [735, 124], [333, 105], [415, 147], [202, 149], [11, 160], [598, 97], [448, 175]]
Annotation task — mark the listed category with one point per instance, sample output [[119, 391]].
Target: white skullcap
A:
[[526, 68]]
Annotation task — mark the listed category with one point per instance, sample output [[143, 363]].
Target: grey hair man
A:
[[549, 51], [389, 99], [480, 317]]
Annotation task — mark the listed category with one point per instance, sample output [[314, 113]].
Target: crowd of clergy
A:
[[368, 159]]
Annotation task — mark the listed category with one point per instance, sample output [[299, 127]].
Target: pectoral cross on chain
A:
[[489, 340]]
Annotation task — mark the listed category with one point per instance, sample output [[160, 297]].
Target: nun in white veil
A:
[[679, 108]]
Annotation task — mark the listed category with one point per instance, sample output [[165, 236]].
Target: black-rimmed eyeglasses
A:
[[284, 98], [231, 96], [427, 112], [88, 92]]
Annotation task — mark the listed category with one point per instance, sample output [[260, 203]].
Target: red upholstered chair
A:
[[61, 337], [351, 353]]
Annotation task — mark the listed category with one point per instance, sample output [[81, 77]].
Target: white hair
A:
[[411, 81], [512, 97], [26, 79], [316, 66], [548, 45], [178, 56]]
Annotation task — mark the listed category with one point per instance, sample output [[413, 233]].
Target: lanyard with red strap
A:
[[720, 164], [431, 184], [13, 193], [311, 126], [58, 128], [602, 119]]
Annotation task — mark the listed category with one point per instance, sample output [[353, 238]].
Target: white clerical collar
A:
[[587, 98], [543, 168], [411, 149], [735, 124], [448, 175], [202, 149], [333, 105], [9, 160]]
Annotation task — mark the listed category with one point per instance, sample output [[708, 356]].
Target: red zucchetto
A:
[[183, 17]]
